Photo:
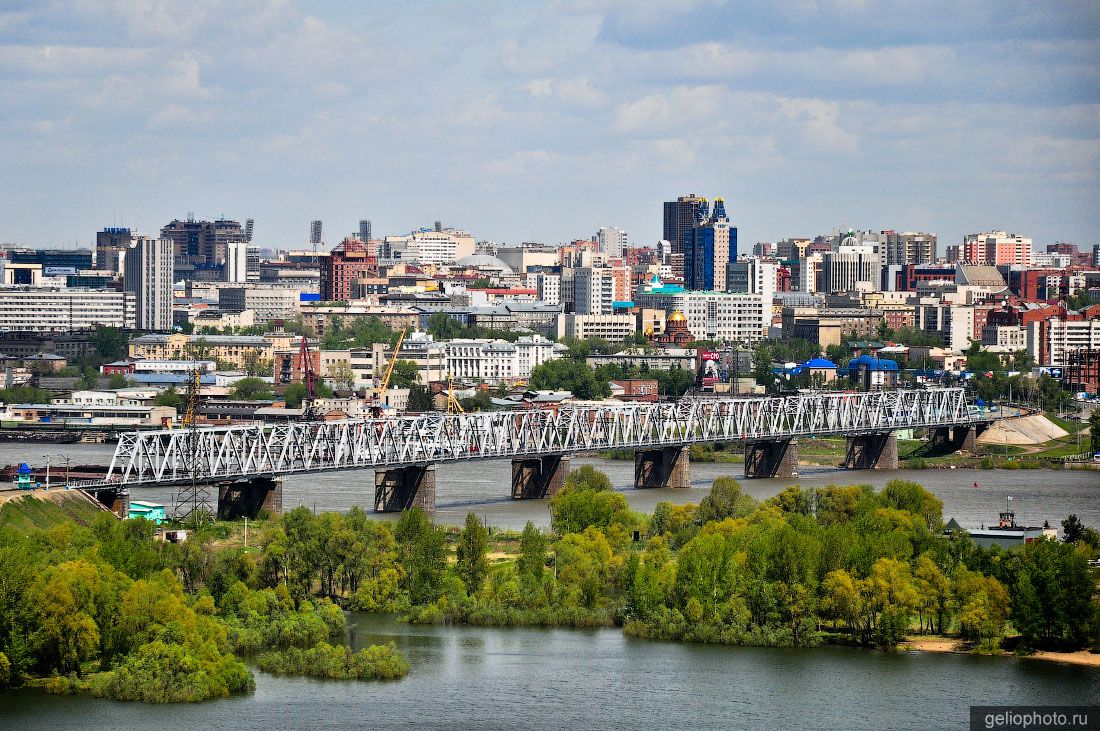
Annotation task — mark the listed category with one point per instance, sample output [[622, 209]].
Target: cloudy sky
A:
[[541, 121]]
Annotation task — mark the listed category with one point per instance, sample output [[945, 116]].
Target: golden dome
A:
[[677, 316]]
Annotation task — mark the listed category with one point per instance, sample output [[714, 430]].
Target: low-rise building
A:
[[829, 326], [267, 303], [654, 359], [237, 350], [54, 309]]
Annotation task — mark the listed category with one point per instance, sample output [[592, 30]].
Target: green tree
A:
[[257, 365], [405, 374], [110, 343], [296, 393], [169, 397], [423, 551], [532, 553], [442, 326], [420, 399], [252, 389], [724, 501], [1094, 430], [566, 374], [472, 563], [341, 375]]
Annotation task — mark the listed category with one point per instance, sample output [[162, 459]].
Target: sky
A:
[[542, 121]]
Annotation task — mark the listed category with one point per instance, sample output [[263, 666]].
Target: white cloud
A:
[[819, 122], [684, 106]]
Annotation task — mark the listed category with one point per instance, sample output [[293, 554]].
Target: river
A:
[[467, 677], [483, 487]]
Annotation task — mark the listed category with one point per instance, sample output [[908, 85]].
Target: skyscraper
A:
[[148, 274], [236, 261], [364, 229], [612, 241], [709, 246], [679, 217]]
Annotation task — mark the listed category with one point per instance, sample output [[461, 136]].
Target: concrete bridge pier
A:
[[534, 478], [777, 458], [954, 438], [115, 499], [402, 488], [662, 467], [248, 498], [872, 452]]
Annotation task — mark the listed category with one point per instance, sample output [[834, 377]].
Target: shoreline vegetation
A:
[[955, 646], [109, 611]]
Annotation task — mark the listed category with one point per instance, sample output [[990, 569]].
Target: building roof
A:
[[977, 275], [819, 363], [483, 260], [872, 363]]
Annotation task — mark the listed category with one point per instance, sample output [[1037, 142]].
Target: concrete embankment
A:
[[27, 510]]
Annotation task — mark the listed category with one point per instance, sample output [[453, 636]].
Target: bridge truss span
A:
[[236, 452]]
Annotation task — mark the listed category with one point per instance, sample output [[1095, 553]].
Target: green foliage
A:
[[1052, 603], [405, 374], [362, 332], [252, 389], [110, 344], [423, 552], [724, 501], [420, 400], [586, 500], [295, 393], [472, 564], [169, 397], [25, 395], [377, 662], [567, 374], [532, 554], [5, 671]]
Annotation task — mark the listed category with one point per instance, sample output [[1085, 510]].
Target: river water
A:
[[466, 677], [483, 487]]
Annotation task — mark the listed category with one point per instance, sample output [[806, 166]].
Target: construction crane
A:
[[309, 378], [453, 406], [194, 502], [380, 387]]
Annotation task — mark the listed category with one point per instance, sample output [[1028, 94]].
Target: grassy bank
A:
[[26, 512]]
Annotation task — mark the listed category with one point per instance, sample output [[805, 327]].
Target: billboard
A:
[[58, 271], [309, 297]]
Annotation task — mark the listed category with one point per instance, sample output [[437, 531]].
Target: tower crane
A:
[[380, 387], [309, 378]]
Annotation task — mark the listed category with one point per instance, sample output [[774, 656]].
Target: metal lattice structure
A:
[[242, 452]]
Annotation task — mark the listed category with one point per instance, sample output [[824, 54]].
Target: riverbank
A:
[[940, 645]]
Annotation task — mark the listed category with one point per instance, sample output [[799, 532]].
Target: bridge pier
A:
[[662, 467], [772, 459], [248, 498], [872, 452], [955, 438], [534, 478], [401, 488]]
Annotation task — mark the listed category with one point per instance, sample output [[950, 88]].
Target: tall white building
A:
[[547, 286], [853, 268], [593, 291], [47, 309], [753, 275], [148, 274], [429, 246], [722, 316], [612, 241], [236, 262]]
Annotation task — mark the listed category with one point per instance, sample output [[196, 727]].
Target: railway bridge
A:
[[245, 463]]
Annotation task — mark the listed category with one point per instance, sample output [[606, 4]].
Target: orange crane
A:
[[380, 388]]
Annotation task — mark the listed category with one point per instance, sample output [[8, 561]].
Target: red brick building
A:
[[342, 267]]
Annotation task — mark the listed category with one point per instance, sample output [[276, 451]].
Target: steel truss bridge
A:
[[215, 454]]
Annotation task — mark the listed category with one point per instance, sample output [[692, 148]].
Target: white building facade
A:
[[43, 309]]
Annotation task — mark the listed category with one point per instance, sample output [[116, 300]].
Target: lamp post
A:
[[67, 461]]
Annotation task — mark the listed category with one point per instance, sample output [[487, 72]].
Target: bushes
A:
[[168, 673], [377, 662]]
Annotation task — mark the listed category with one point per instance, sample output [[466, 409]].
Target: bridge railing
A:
[[270, 450]]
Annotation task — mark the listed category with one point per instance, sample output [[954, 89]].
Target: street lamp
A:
[[62, 456]]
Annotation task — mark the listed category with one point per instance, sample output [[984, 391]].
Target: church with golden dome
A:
[[676, 334]]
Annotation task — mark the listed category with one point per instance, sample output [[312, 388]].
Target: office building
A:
[[996, 248], [679, 217], [267, 303], [148, 274], [428, 246], [236, 262], [593, 290], [110, 243], [909, 247], [49, 309], [342, 266], [364, 229], [613, 328], [612, 241], [709, 246], [547, 287], [829, 326], [753, 275], [852, 268]]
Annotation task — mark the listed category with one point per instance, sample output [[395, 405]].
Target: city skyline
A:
[[546, 124]]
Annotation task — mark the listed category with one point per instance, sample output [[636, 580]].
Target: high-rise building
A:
[[236, 262], [612, 241], [341, 267], [996, 248], [709, 246], [315, 233], [364, 229], [593, 291], [679, 217], [249, 224], [854, 267], [148, 274], [909, 247], [754, 275], [109, 243], [547, 286]]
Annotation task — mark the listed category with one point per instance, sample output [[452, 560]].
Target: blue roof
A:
[[819, 363], [872, 363]]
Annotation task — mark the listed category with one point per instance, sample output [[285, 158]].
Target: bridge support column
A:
[[402, 488], [663, 467], [872, 452], [944, 439], [772, 459], [534, 478], [250, 498], [966, 437]]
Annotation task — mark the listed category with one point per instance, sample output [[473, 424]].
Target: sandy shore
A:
[[946, 644]]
